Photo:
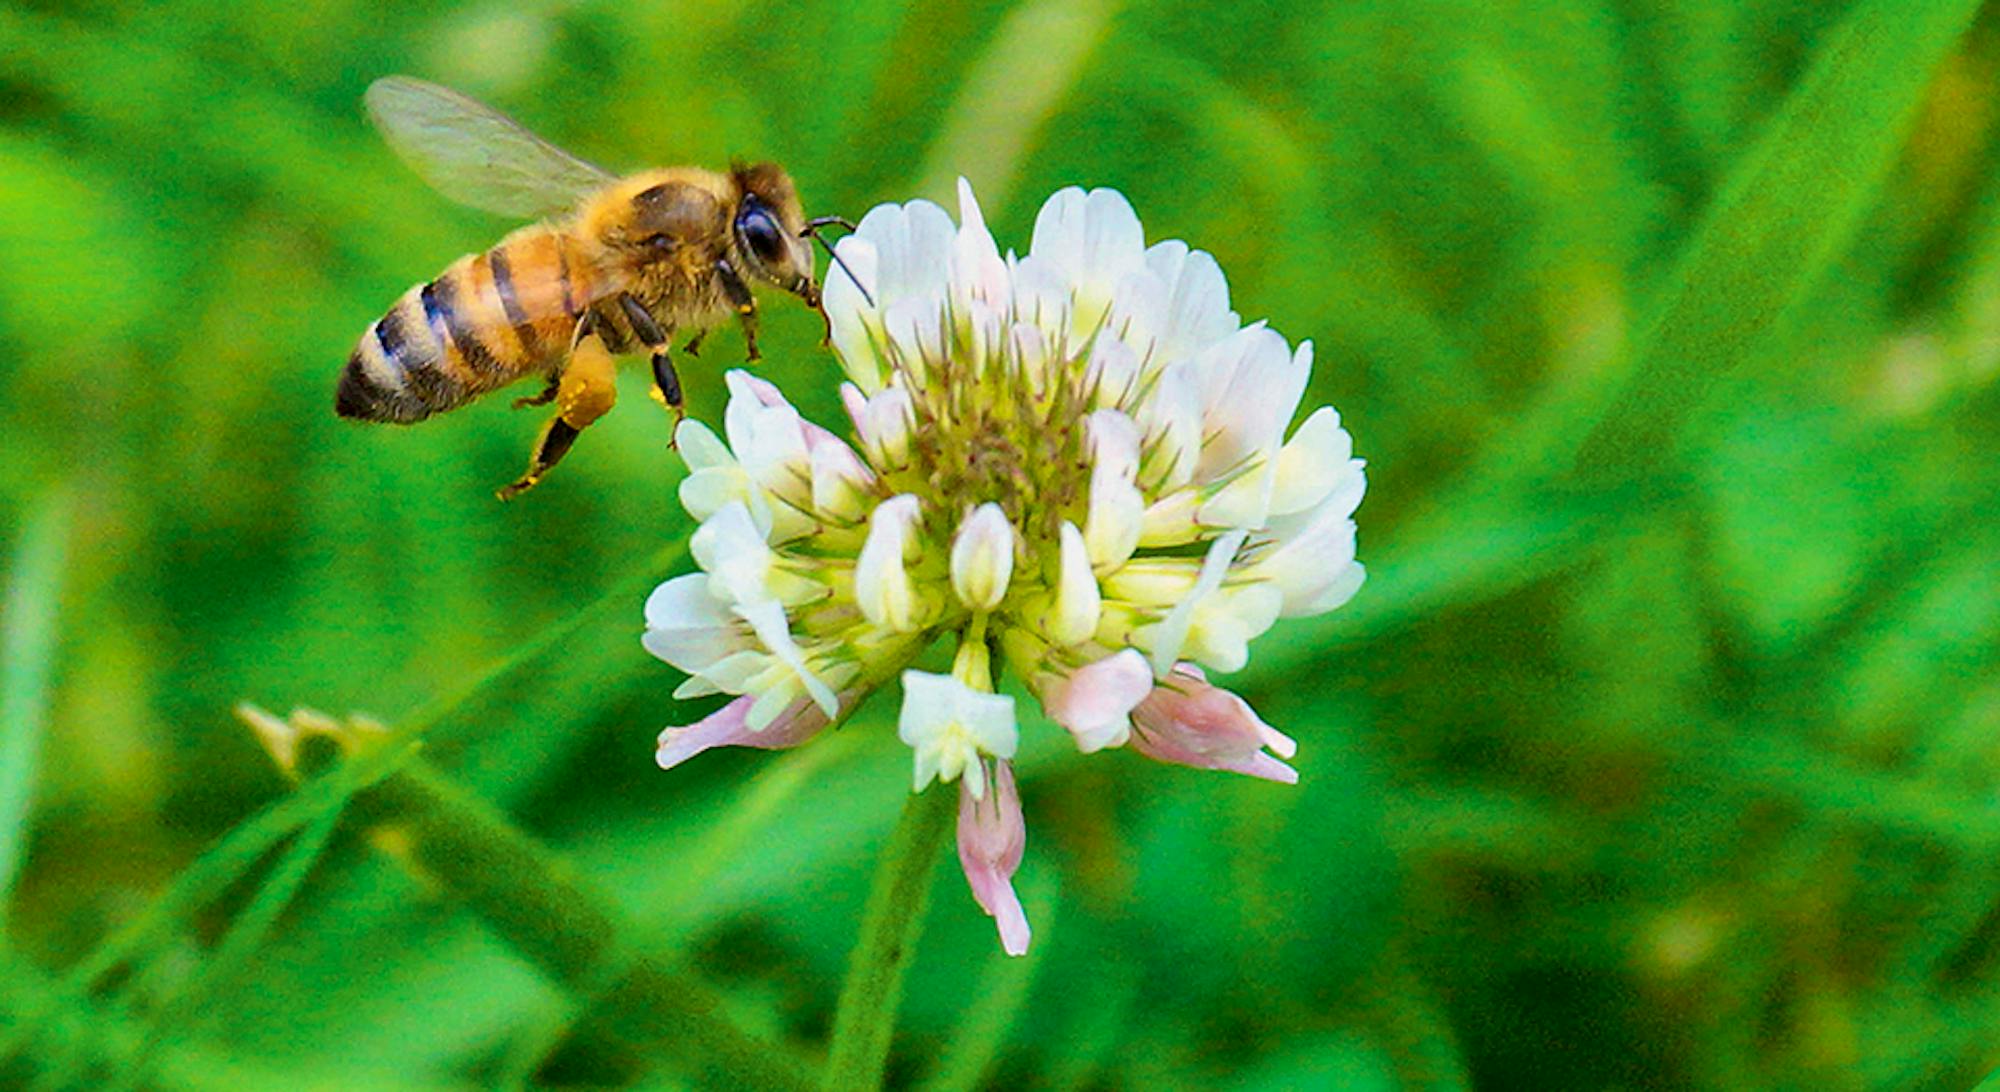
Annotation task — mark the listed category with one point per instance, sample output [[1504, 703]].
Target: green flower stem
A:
[[867, 1015], [542, 908]]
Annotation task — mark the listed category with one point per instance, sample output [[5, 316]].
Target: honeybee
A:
[[622, 264]]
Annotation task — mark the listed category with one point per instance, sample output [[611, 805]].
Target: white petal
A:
[[704, 492], [882, 587], [1198, 313], [1337, 592], [1116, 506], [767, 439], [732, 674], [1170, 521], [842, 485], [1114, 442], [1225, 623], [730, 548], [687, 627], [1041, 298], [1250, 384], [699, 447], [1154, 584], [978, 274], [1171, 421], [1172, 631], [949, 725], [900, 252], [1114, 519], [1094, 240], [683, 601], [914, 328], [1313, 463], [851, 322], [883, 427], [1245, 501], [982, 557], [1113, 370], [1079, 603], [914, 243], [768, 620]]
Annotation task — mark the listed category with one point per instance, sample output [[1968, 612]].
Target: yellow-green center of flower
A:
[[999, 438]]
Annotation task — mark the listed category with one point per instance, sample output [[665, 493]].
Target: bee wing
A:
[[475, 154]]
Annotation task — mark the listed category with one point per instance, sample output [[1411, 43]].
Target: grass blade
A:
[[1035, 58], [1777, 228], [1784, 217], [551, 914], [237, 851], [245, 934], [27, 651]]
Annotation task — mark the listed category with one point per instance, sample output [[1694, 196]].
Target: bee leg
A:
[[667, 382], [748, 317], [693, 347], [587, 391], [745, 304], [555, 441], [547, 395], [658, 342]]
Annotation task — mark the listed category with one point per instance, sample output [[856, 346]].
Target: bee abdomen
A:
[[441, 345], [391, 374]]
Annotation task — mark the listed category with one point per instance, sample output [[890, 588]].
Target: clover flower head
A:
[[1073, 464]]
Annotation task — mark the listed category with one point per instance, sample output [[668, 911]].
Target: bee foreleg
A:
[[587, 390], [666, 381], [745, 304]]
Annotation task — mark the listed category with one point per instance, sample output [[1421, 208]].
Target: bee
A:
[[618, 265]]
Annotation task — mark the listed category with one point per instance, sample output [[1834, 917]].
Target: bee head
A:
[[768, 229]]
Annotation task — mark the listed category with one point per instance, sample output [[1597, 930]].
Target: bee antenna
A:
[[812, 231]]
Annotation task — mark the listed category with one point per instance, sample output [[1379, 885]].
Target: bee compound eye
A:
[[761, 234]]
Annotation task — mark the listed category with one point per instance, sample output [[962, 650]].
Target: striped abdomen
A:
[[486, 321]]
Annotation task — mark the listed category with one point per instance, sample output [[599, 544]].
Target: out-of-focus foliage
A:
[[1662, 748]]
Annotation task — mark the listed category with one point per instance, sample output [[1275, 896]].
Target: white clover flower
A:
[[1073, 464]]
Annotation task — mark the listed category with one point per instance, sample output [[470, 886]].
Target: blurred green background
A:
[[1661, 749]]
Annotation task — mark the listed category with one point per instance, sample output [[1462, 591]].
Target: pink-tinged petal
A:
[[1188, 722], [726, 727], [1095, 702], [768, 395], [856, 405], [991, 838]]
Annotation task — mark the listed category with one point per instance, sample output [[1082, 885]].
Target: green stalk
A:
[[640, 1004], [863, 1024]]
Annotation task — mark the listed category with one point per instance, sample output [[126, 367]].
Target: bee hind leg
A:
[[555, 441], [587, 391], [542, 398]]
